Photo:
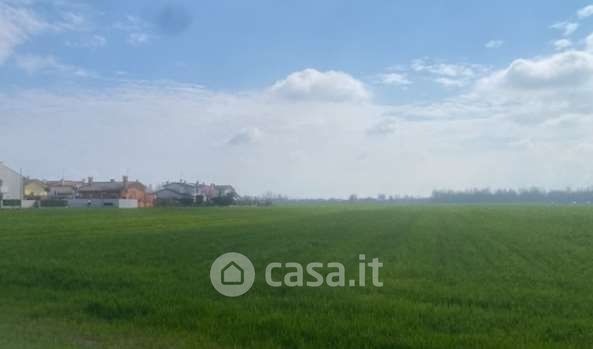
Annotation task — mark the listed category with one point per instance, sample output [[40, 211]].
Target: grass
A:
[[454, 276]]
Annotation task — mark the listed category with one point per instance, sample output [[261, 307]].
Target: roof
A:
[[233, 264], [103, 186], [111, 186], [62, 190], [186, 188], [64, 183], [184, 184]]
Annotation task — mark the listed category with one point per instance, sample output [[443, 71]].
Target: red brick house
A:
[[117, 190]]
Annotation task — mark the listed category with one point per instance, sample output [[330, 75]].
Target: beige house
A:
[[35, 189]]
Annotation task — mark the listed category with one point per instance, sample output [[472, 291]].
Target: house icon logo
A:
[[232, 274]]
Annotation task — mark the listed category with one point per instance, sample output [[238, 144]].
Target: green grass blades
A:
[[454, 277]]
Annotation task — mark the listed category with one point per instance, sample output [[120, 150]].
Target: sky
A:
[[306, 98]]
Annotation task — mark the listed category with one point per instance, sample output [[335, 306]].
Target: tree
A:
[[225, 200]]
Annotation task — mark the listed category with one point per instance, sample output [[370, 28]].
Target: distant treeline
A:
[[533, 195], [471, 196]]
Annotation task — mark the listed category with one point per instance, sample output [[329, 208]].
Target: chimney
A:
[[125, 180], [90, 180]]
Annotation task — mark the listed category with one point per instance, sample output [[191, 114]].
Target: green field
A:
[[459, 277]]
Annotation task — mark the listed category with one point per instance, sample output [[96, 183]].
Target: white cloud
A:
[[494, 44], [567, 28], [572, 69], [249, 135], [138, 39], [461, 70], [130, 23], [396, 79], [184, 122], [311, 84], [589, 42], [17, 25], [71, 21], [528, 91], [139, 31], [33, 64], [384, 127], [96, 41], [447, 74], [585, 12], [93, 42], [448, 82], [562, 44]]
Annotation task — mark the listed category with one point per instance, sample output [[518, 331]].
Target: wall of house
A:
[[167, 195], [137, 193], [12, 183], [134, 193], [101, 195], [62, 193], [28, 203], [127, 203], [103, 203]]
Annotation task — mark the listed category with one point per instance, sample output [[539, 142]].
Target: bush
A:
[[53, 203], [174, 203], [226, 200]]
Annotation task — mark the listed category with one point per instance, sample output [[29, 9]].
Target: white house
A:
[[177, 191], [11, 184]]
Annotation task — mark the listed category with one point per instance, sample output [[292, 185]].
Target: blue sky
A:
[[400, 87], [230, 45]]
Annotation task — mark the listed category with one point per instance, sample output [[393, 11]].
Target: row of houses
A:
[[118, 193], [109, 192]]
